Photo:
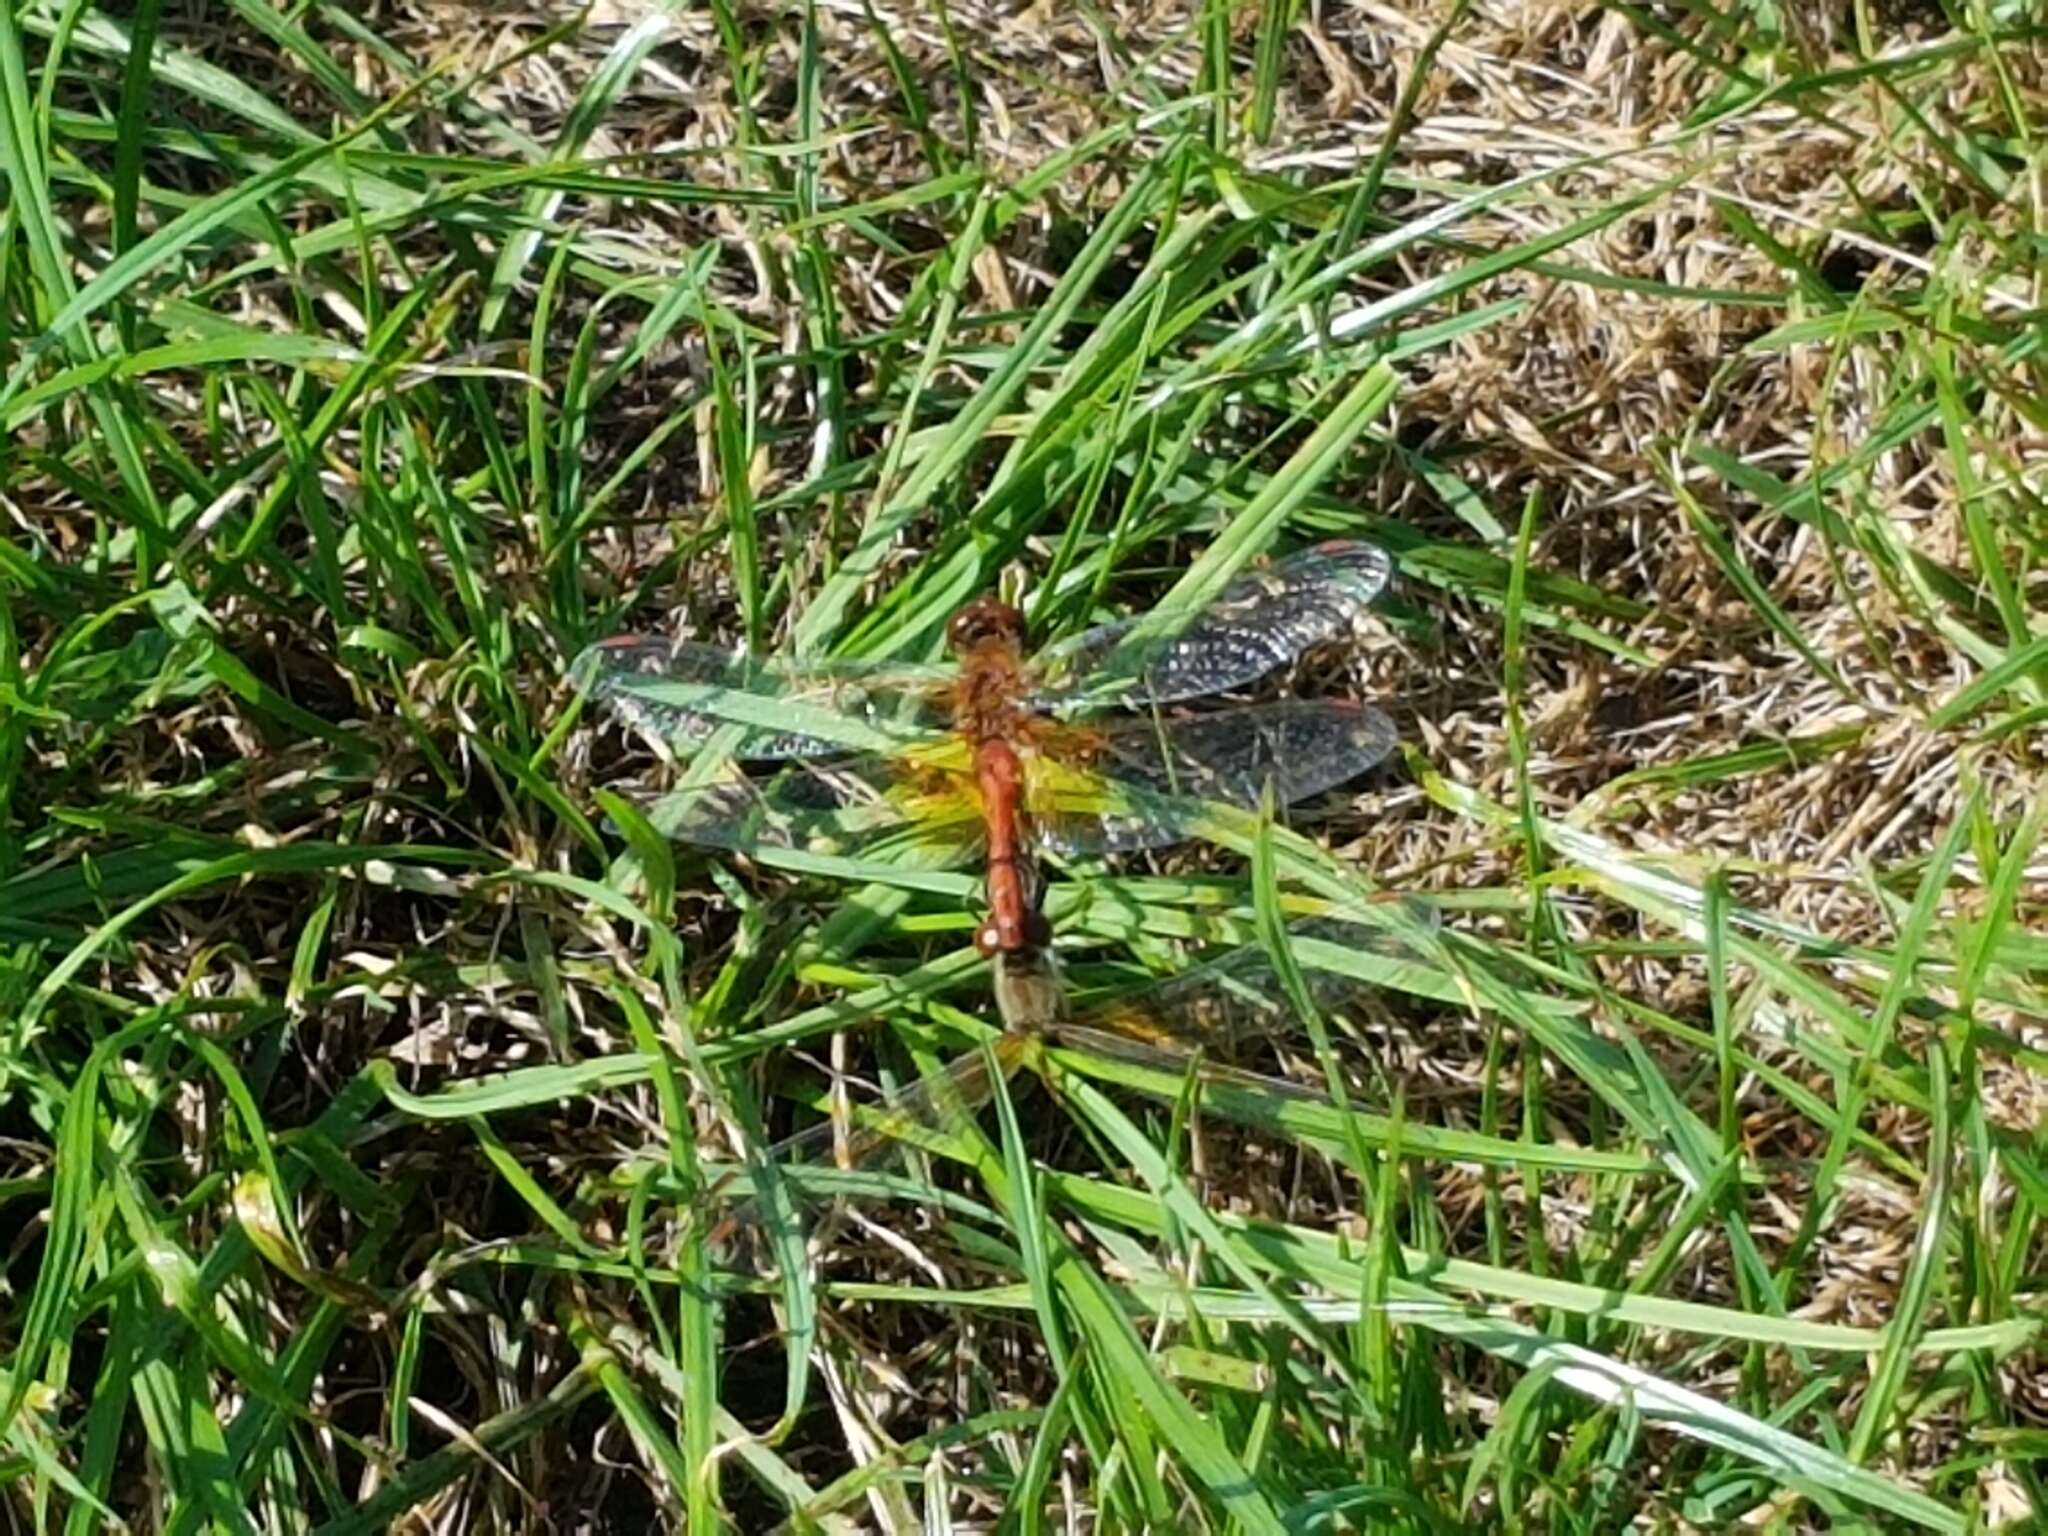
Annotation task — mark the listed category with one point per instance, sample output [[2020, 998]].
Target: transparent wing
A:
[[1220, 1005], [927, 1114], [1139, 782], [826, 808], [1030, 998], [678, 692], [1216, 1006], [1261, 621]]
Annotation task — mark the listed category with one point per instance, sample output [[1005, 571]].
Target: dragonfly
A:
[[1079, 750], [1182, 1023]]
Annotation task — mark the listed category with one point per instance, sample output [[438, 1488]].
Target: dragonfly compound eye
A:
[[983, 621]]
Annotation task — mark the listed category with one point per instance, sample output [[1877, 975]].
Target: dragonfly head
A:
[[985, 620]]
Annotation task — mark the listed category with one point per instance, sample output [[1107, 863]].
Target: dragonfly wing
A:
[[928, 1114], [678, 692], [1030, 998], [1238, 997], [1160, 774], [811, 807], [1261, 621]]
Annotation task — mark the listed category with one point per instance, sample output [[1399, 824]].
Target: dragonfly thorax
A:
[[987, 638]]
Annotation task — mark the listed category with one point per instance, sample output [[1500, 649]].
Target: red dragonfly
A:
[[1213, 1010], [996, 753]]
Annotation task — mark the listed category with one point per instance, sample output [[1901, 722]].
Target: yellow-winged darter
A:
[[1084, 748]]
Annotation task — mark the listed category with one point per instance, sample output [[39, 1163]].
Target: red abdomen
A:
[[1000, 778]]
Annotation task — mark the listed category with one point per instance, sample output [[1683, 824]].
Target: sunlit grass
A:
[[370, 1054]]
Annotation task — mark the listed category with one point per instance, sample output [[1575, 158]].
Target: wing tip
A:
[[602, 661], [1369, 566], [589, 668]]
